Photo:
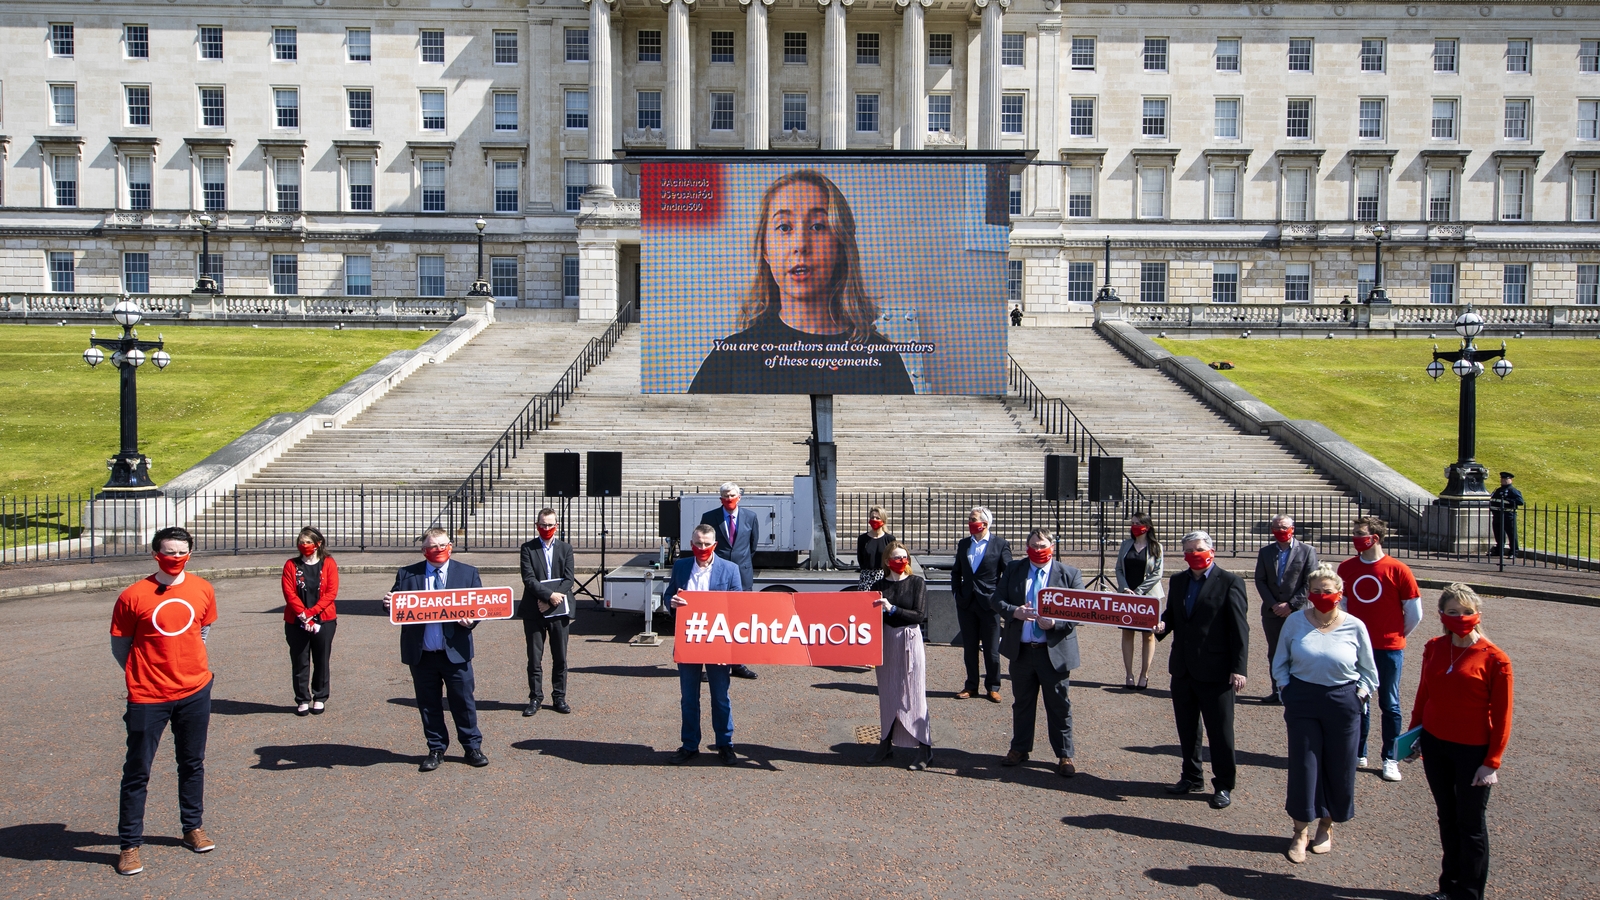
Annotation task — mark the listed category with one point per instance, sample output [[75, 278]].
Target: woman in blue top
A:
[[1325, 670]]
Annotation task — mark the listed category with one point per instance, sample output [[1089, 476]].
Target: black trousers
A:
[[1324, 726], [980, 629], [1032, 673], [1272, 624], [535, 631], [1504, 525], [432, 676], [308, 657], [191, 719], [1463, 815], [1211, 701]]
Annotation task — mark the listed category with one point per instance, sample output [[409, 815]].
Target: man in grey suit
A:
[[1043, 651], [1282, 568], [736, 542]]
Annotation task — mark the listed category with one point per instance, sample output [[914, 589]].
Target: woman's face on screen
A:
[[801, 249]]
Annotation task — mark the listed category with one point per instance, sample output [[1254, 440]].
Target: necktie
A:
[[733, 526], [1283, 559], [438, 582]]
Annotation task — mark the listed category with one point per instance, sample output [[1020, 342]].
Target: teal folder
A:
[[1406, 744]]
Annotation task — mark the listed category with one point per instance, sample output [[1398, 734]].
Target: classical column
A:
[[913, 69], [1047, 179], [600, 96], [758, 101], [834, 120], [989, 74], [680, 76]]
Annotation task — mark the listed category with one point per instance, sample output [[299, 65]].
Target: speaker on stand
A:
[[1105, 486], [605, 480], [561, 479], [1060, 483]]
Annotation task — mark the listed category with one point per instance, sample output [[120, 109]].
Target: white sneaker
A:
[[1361, 762], [1391, 770]]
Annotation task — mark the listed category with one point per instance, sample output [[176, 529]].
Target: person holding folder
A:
[[548, 573]]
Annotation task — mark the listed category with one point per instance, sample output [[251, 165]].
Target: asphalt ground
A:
[[584, 805]]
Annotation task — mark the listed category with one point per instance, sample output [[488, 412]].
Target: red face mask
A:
[[1364, 542], [1461, 625], [875, 523], [1040, 556], [546, 532], [730, 503], [900, 565], [702, 555], [1138, 530], [977, 528], [307, 549], [172, 565], [1282, 535], [436, 555], [1325, 602], [1199, 560]]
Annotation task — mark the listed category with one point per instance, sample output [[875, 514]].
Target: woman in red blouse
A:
[[1464, 707], [310, 585]]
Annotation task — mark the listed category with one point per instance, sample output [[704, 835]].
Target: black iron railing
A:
[[1055, 417]]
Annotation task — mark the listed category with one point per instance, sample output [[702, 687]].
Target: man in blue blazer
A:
[[1043, 651], [981, 558], [736, 542], [704, 570], [440, 654]]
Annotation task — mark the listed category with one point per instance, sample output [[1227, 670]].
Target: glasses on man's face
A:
[[434, 546]]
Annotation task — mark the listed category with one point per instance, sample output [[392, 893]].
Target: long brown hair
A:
[[1143, 518], [847, 295]]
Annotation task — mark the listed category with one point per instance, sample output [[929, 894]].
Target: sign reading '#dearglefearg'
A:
[[454, 605], [1100, 608], [773, 628]]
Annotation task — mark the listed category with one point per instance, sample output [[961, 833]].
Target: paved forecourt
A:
[[583, 805]]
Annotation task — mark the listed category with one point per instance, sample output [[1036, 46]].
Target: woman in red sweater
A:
[[1464, 707], [310, 585]]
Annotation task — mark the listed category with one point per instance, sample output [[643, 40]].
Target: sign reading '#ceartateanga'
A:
[[1100, 608], [454, 605], [773, 628]]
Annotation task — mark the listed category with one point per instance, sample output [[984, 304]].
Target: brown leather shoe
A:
[[1065, 768], [1014, 758], [128, 863], [197, 841], [964, 695], [994, 696]]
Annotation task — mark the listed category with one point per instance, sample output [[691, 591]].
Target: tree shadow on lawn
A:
[[327, 756], [46, 841], [1250, 884], [1242, 757]]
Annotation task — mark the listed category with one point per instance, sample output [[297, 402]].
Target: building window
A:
[[1155, 54], [63, 104], [1368, 194], [1444, 120], [1372, 55], [138, 97], [430, 276], [358, 276], [213, 108], [722, 47], [1080, 282], [1297, 283], [1365, 280], [1013, 46], [503, 277], [285, 274], [210, 41], [360, 174], [65, 172], [1011, 106], [286, 181], [136, 273], [285, 44], [941, 49], [1514, 195], [1225, 193], [1297, 125], [867, 49], [1227, 118], [577, 109], [1441, 195], [360, 109], [1519, 55], [1586, 195], [136, 41], [358, 44], [286, 103], [1224, 282], [505, 48], [1300, 54], [1370, 126], [1227, 54], [1014, 281], [938, 113], [1083, 53], [571, 277], [139, 169], [61, 40], [1517, 119], [722, 110], [1155, 117], [1444, 55], [214, 183], [505, 111], [1442, 283], [1152, 192], [794, 48], [794, 112], [1589, 57], [1080, 192], [650, 46], [577, 45], [1080, 120], [432, 45], [576, 176], [433, 185], [866, 113], [1297, 195], [433, 111], [209, 265], [1515, 291], [63, 280], [506, 183], [1153, 282], [1588, 285], [649, 116], [1014, 196], [1588, 120]]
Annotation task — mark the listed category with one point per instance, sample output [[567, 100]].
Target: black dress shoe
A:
[[475, 758], [682, 755], [1221, 800], [532, 709], [561, 706], [726, 754], [431, 761], [1183, 786], [743, 671]]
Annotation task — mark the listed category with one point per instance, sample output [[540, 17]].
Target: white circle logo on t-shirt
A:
[[155, 617], [1355, 589]]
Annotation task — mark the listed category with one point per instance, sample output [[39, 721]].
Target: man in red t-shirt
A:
[[1381, 591], [158, 632]]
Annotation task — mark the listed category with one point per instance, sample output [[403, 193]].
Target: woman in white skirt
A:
[[902, 679]]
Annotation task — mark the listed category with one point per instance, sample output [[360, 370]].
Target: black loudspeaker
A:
[[1060, 477], [561, 474], [605, 474], [667, 516], [1105, 479]]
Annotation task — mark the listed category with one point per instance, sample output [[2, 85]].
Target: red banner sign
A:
[[454, 605], [779, 629], [1100, 608]]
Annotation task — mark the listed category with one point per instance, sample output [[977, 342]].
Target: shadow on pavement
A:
[[482, 705], [628, 671], [362, 608], [1242, 757], [1253, 885], [848, 687], [41, 841], [247, 708], [595, 753], [1156, 830], [327, 756]]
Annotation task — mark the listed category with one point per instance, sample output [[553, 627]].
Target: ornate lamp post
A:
[[1466, 476], [1377, 294], [130, 469], [1107, 294], [204, 283], [480, 288]]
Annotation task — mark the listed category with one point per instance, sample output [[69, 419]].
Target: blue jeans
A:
[[1390, 662], [721, 708]]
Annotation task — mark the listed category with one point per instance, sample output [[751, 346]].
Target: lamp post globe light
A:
[[1464, 479], [1107, 294], [130, 469], [1377, 294], [480, 288]]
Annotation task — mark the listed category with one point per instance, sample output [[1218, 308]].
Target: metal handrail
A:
[[1055, 417]]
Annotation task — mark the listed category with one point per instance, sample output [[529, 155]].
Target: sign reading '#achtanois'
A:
[[773, 628], [454, 605], [1100, 608]]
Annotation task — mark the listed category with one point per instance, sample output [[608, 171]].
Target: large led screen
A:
[[823, 278]]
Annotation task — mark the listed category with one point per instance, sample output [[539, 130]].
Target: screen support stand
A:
[[599, 576], [824, 458], [1100, 580]]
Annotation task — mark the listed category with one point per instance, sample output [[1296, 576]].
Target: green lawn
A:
[[58, 424], [1539, 423]]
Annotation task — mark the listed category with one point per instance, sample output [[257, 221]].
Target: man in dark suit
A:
[[548, 572], [1206, 613], [980, 559], [736, 542], [702, 570], [440, 654], [1043, 651], [1282, 568]]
